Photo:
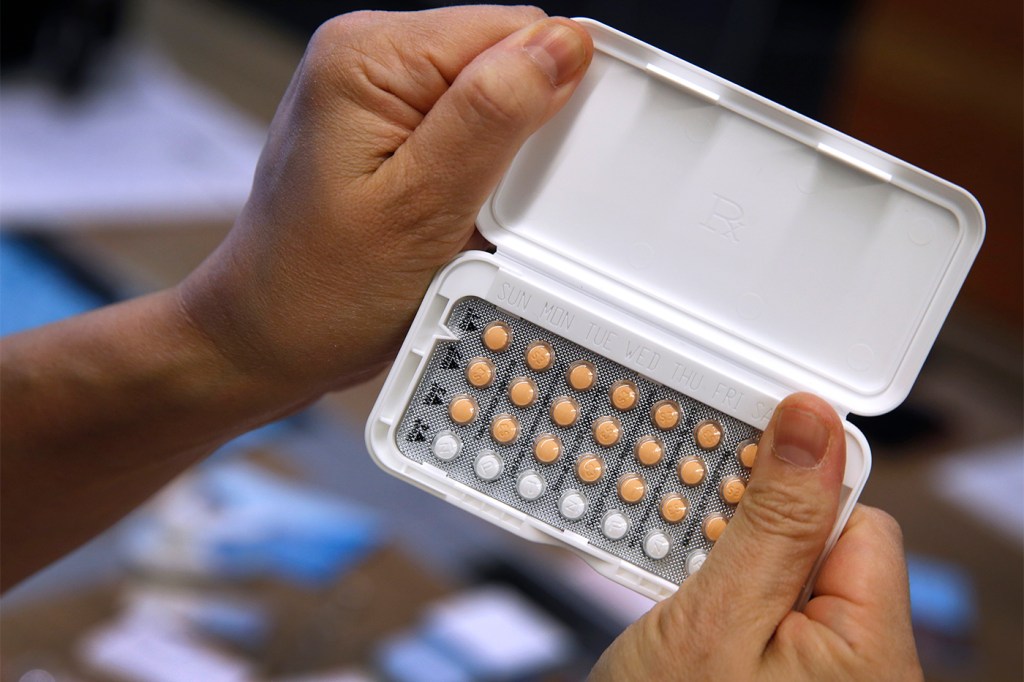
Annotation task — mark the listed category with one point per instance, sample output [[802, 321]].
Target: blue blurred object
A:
[[36, 288], [944, 614], [411, 659], [233, 519], [941, 596]]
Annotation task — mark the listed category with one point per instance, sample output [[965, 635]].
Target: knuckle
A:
[[775, 509], [885, 524], [490, 98]]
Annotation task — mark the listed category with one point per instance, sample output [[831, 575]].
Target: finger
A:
[[866, 572], [757, 568], [469, 137]]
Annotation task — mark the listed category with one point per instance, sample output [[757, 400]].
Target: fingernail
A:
[[801, 438], [558, 50]]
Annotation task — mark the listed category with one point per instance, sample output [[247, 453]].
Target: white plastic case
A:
[[722, 245]]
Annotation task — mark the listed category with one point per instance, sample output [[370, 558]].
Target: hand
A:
[[734, 620], [391, 135]]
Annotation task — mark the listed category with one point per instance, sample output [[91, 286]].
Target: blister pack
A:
[[674, 255]]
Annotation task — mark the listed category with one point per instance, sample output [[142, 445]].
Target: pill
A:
[[732, 489], [691, 470], [504, 428], [480, 372], [582, 375], [589, 468], [694, 560], [488, 465], [572, 505], [673, 507], [530, 485], [462, 409], [539, 356], [747, 453], [631, 488], [708, 434], [564, 411], [713, 526], [649, 451], [522, 392], [623, 395], [446, 445], [666, 414], [547, 448], [614, 525], [656, 545], [496, 336], [607, 431]]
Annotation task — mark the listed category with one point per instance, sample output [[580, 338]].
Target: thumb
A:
[[468, 138], [765, 556]]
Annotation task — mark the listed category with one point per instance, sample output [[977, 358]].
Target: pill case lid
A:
[[739, 225]]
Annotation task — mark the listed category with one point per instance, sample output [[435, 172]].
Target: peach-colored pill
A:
[[589, 468], [673, 507], [462, 409], [539, 356], [732, 489], [708, 434], [691, 470], [631, 488], [504, 428], [666, 414], [496, 336], [582, 375], [564, 411], [522, 392], [713, 526], [480, 372], [607, 431], [547, 448], [649, 451], [747, 453], [624, 395]]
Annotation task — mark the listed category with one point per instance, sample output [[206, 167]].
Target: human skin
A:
[[392, 133]]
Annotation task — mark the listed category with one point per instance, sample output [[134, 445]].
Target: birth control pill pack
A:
[[674, 255]]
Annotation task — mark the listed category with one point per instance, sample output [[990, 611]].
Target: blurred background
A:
[[129, 130]]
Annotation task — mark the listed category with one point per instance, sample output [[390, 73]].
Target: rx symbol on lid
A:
[[724, 219]]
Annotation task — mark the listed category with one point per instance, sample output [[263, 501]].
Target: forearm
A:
[[101, 410]]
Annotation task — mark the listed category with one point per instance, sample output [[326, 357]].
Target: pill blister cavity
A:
[[480, 372], [446, 445], [582, 375], [589, 468], [731, 489], [614, 525], [547, 448], [572, 505], [462, 409], [708, 434], [713, 526], [607, 431], [649, 451], [540, 356], [488, 465], [530, 485], [623, 395], [504, 428], [692, 470], [496, 336], [657, 545], [666, 414], [522, 391], [564, 411], [746, 453]]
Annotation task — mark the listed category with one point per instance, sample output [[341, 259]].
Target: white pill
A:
[[530, 485], [488, 465], [656, 545], [572, 505], [614, 525], [446, 445], [695, 560]]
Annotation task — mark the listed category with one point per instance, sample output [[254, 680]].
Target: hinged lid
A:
[[789, 247]]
